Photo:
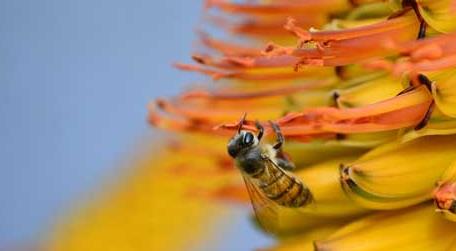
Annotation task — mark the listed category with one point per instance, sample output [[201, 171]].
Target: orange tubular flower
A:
[[399, 112], [431, 54], [335, 48], [227, 48], [261, 27], [279, 7]]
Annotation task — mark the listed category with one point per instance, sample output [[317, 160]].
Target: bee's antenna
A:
[[241, 122], [260, 130]]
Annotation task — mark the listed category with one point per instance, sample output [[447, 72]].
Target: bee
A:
[[265, 169]]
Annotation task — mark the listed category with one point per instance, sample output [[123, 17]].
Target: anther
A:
[[335, 97], [340, 72]]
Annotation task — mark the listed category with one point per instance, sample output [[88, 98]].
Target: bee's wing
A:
[[272, 165], [266, 210]]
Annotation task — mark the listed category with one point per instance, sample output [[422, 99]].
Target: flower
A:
[[156, 206], [364, 93]]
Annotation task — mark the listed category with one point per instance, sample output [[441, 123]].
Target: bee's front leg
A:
[[278, 132], [281, 159]]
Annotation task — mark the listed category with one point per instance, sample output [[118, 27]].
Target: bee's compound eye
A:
[[248, 138]]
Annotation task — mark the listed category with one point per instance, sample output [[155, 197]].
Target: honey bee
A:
[[265, 170]]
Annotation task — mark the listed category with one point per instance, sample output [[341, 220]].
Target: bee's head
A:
[[241, 141]]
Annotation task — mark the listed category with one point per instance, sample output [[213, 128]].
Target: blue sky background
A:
[[75, 79]]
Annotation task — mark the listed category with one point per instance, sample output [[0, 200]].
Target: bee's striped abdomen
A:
[[283, 188]]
